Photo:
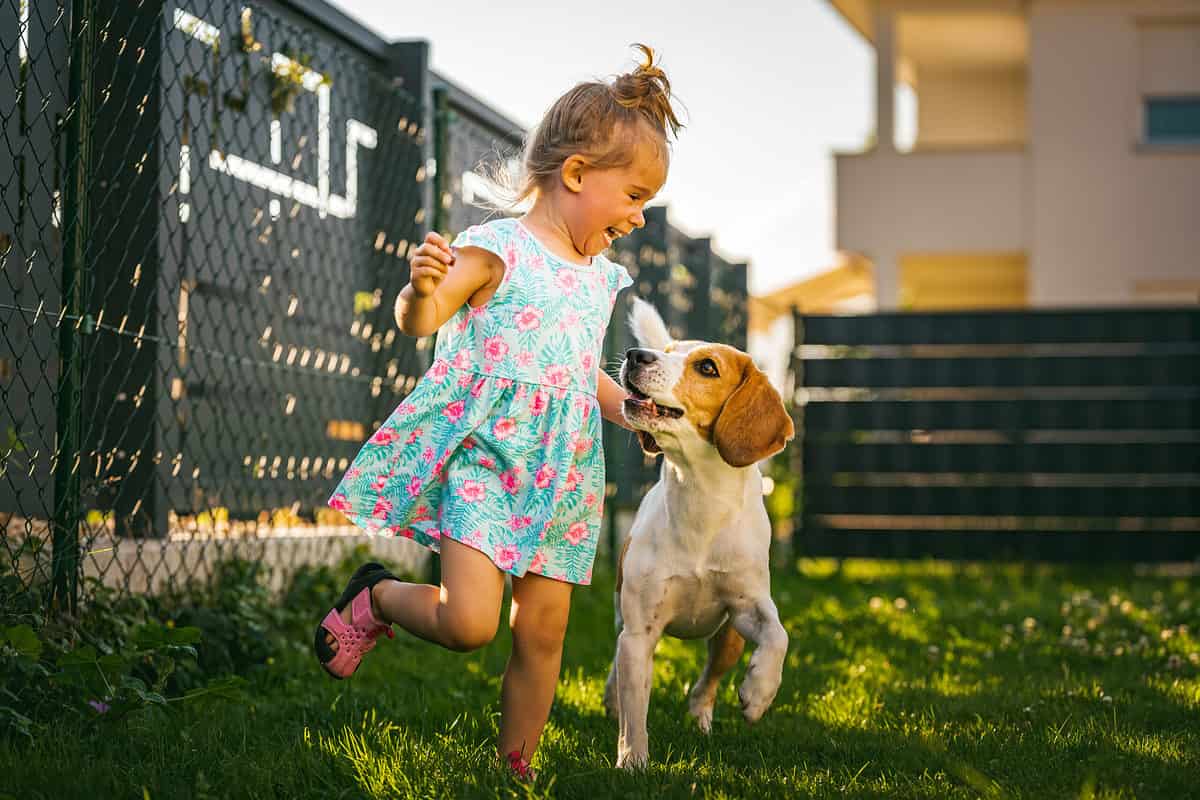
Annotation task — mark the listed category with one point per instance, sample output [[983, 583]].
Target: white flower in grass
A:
[[900, 603]]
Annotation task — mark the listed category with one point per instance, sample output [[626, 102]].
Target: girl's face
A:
[[604, 204]]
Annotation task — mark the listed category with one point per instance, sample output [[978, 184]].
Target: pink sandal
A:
[[520, 767], [358, 638]]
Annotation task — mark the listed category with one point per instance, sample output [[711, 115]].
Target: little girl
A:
[[495, 458]]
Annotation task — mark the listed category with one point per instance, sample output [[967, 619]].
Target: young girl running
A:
[[495, 458]]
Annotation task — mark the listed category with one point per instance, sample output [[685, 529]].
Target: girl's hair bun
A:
[[648, 91]]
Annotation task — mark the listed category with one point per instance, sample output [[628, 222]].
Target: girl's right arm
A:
[[441, 282]]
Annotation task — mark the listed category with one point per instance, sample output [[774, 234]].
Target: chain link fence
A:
[[205, 214]]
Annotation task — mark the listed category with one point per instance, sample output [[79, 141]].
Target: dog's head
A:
[[683, 391]]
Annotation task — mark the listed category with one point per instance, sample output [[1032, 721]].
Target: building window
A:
[[1172, 119], [1169, 82]]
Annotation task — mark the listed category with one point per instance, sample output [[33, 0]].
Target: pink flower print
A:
[[439, 370], [462, 360], [454, 411], [404, 409], [477, 389], [545, 476], [528, 318], [546, 438], [382, 508], [521, 392], [566, 280], [495, 348], [504, 383], [407, 533], [587, 361], [536, 261], [539, 403], [524, 358], [422, 514], [555, 375], [569, 321], [384, 436], [590, 500], [465, 379], [467, 444], [506, 556], [560, 393], [427, 454], [538, 563], [510, 255], [574, 476], [472, 491], [504, 428], [339, 502], [433, 533], [352, 473], [510, 481], [474, 538], [378, 484], [517, 522], [489, 368], [587, 578], [487, 462], [576, 533], [413, 435], [414, 486], [582, 401], [583, 445]]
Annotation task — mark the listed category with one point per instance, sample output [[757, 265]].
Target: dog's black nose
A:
[[637, 356]]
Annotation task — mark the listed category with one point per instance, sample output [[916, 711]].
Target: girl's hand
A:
[[430, 263]]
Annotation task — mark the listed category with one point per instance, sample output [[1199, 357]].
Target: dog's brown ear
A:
[[753, 423]]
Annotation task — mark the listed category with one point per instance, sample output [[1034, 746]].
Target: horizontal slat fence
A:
[[1036, 435]]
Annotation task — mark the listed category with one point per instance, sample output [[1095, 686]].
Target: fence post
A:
[[64, 565], [441, 147]]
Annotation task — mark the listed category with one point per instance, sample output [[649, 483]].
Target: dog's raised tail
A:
[[647, 325]]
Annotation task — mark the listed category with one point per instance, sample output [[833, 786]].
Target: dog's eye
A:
[[707, 368]]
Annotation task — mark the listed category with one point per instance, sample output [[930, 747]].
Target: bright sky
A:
[[770, 89]]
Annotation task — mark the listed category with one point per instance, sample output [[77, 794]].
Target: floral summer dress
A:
[[498, 446]]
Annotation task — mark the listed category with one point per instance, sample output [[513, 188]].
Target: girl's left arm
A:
[[610, 394]]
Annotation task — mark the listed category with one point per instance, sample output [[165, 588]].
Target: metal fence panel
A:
[[1045, 435]]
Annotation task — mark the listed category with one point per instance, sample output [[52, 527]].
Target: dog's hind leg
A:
[[610, 685], [724, 650]]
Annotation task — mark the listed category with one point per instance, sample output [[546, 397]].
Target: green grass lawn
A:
[[902, 680]]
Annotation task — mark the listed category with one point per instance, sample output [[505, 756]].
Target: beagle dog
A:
[[695, 564]]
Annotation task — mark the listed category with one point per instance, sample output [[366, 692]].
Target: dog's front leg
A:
[[635, 670], [760, 624]]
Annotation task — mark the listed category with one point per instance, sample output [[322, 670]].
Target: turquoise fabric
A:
[[498, 446]]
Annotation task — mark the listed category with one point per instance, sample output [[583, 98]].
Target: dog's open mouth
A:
[[643, 402]]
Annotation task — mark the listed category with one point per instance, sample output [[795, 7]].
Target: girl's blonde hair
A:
[[601, 121]]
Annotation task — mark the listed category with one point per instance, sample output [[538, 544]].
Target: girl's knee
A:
[[468, 626], [467, 636], [540, 634]]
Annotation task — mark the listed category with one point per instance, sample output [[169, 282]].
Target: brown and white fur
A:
[[695, 565]]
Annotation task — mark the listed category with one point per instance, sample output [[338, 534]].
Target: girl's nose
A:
[[638, 220]]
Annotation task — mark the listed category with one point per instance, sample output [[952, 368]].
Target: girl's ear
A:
[[572, 172]]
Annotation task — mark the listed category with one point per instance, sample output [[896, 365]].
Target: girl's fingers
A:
[[435, 253], [439, 243]]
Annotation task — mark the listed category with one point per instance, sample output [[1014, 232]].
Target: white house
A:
[[1056, 160]]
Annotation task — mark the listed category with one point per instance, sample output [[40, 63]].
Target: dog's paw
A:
[[703, 716], [754, 703], [632, 759]]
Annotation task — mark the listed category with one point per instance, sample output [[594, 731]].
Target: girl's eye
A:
[[635, 197], [708, 368]]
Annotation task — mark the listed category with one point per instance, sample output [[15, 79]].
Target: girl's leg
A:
[[461, 614], [539, 623]]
